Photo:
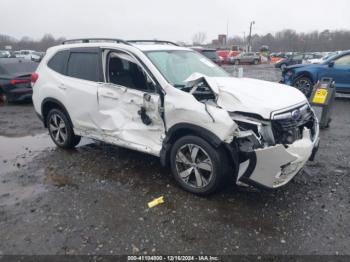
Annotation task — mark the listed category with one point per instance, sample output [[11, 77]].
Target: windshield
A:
[[177, 66], [329, 58]]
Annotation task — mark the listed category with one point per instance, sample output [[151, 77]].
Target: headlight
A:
[[260, 128]]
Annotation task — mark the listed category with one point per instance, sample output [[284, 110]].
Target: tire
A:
[[236, 62], [204, 169], [255, 62], [61, 130], [304, 84]]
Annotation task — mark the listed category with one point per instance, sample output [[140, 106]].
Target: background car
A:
[[289, 60], [6, 54], [250, 58], [210, 53], [304, 77], [26, 54], [322, 59], [15, 79]]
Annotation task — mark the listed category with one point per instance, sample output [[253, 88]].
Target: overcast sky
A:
[[176, 20]]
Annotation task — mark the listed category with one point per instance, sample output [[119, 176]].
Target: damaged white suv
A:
[[172, 102]]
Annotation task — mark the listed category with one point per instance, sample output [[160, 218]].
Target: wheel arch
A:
[[304, 74], [51, 103], [182, 129]]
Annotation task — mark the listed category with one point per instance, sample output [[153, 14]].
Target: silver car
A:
[[251, 58]]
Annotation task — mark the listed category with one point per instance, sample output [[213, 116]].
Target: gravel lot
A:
[[93, 200]]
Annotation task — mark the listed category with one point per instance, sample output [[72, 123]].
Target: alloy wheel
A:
[[194, 166], [304, 85], [58, 129]]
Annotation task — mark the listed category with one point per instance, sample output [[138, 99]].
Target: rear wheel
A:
[[236, 62], [197, 166], [256, 61], [61, 130], [304, 84]]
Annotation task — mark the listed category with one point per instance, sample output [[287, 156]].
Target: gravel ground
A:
[[93, 200]]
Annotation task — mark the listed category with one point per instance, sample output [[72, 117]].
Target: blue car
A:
[[304, 77]]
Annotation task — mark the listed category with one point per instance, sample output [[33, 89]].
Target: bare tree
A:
[[199, 38]]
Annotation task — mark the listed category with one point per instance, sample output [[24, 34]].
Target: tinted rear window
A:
[[18, 68], [83, 66], [58, 61]]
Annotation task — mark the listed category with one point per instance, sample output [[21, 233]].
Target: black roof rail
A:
[[153, 41], [90, 40]]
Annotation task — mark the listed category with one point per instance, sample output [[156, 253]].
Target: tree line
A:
[[27, 43]]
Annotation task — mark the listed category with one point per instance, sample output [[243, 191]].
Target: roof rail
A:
[[90, 40], [153, 41]]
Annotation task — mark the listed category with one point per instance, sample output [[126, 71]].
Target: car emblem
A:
[[296, 114]]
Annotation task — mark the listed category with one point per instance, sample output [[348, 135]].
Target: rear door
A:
[[129, 104], [83, 76]]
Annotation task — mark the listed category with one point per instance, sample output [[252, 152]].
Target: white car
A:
[[27, 54], [172, 102]]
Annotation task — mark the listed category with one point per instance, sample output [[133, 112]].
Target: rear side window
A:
[[83, 65], [58, 61]]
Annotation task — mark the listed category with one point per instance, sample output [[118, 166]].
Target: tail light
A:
[[34, 77], [19, 81]]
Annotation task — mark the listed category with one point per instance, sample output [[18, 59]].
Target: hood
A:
[[253, 96]]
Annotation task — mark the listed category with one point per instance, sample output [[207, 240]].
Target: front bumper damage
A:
[[274, 166]]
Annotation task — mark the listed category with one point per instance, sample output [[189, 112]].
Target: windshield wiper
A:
[[180, 86]]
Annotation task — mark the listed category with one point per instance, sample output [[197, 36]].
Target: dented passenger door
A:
[[129, 106]]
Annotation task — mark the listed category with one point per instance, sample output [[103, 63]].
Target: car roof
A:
[[142, 47]]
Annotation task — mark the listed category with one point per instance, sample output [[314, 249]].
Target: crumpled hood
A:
[[253, 96]]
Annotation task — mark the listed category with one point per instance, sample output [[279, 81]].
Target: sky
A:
[[176, 20]]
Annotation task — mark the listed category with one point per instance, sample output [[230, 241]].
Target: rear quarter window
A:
[[58, 61], [83, 65]]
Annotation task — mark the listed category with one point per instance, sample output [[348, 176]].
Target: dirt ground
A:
[[93, 200]]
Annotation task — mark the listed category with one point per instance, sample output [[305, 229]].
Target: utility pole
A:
[[227, 32], [250, 36], [244, 43]]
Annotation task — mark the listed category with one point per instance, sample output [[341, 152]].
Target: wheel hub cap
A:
[[194, 166]]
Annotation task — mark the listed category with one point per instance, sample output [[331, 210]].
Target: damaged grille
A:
[[288, 126]]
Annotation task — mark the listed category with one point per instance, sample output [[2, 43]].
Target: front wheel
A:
[[256, 62], [61, 130], [236, 62], [197, 166], [305, 85]]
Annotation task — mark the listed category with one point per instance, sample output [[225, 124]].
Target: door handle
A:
[[62, 86]]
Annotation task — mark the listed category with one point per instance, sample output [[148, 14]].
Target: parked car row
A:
[[295, 58], [304, 76], [25, 54]]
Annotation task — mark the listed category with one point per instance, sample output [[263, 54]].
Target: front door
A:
[[340, 72], [129, 106]]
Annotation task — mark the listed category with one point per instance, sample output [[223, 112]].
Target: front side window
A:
[[122, 69], [343, 61], [83, 65], [177, 65]]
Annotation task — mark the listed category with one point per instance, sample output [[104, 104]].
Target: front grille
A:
[[288, 126]]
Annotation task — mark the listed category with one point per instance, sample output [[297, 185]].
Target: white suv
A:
[[172, 102]]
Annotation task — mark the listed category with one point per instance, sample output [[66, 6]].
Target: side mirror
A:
[[331, 64]]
